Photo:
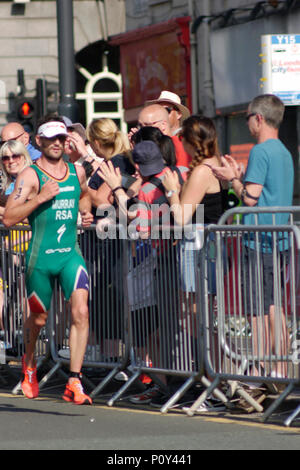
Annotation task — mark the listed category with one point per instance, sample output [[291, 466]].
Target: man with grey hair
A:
[[268, 182], [269, 176]]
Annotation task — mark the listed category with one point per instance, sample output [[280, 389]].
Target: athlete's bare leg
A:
[[79, 328], [32, 328]]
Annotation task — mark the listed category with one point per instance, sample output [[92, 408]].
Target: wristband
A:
[[246, 194], [171, 192], [116, 189]]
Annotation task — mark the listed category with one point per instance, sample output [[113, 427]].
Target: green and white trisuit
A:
[[53, 251]]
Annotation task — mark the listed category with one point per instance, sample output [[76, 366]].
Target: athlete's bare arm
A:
[[26, 197]]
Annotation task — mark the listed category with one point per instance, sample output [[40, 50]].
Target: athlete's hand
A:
[[49, 190], [86, 218]]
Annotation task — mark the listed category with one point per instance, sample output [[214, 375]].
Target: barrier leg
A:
[[293, 416], [49, 374], [191, 411], [216, 392], [123, 389], [242, 393], [277, 402], [177, 395], [104, 382]]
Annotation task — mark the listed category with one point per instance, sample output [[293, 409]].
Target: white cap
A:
[[51, 129], [172, 98]]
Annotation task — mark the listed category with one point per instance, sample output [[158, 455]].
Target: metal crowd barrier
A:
[[13, 304], [238, 331], [146, 318], [108, 342], [14, 307], [165, 325], [139, 320]]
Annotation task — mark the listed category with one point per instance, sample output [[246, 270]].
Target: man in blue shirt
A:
[[268, 181], [15, 131]]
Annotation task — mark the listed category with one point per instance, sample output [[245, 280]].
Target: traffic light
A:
[[25, 110], [46, 97]]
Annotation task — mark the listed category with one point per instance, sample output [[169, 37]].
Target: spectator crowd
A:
[[165, 169]]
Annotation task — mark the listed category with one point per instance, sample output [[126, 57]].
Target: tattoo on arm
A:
[[19, 190]]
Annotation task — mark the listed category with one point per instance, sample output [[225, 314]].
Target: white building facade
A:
[[28, 42]]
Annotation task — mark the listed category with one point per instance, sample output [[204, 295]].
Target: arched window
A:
[[100, 92]]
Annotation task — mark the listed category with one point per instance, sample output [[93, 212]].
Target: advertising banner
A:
[[280, 57]]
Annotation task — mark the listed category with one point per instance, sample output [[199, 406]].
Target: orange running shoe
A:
[[29, 385], [74, 393]]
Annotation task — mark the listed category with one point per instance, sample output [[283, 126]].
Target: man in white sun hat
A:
[[177, 111]]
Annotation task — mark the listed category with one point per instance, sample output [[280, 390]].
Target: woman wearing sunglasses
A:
[[14, 157]]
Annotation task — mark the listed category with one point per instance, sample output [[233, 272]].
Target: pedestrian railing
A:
[[244, 340], [140, 323], [191, 312]]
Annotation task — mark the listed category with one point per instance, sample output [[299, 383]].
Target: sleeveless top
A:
[[213, 205], [54, 223]]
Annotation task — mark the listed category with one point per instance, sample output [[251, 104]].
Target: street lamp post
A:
[[66, 61]]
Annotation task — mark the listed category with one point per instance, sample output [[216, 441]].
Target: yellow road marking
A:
[[212, 419], [273, 427]]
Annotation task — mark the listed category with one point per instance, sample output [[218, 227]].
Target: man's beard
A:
[[51, 158]]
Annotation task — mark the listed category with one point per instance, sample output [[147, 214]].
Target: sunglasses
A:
[[7, 158], [167, 108], [13, 138], [250, 115]]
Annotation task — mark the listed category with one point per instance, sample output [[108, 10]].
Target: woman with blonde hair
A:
[[14, 157], [106, 139], [109, 142]]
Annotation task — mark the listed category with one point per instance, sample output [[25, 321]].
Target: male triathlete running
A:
[[50, 193]]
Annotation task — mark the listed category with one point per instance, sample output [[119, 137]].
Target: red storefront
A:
[[153, 59]]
